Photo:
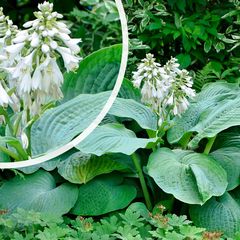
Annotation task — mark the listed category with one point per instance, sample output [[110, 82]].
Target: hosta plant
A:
[[161, 141]]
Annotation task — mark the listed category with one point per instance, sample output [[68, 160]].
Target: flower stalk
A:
[[137, 163], [9, 153], [209, 145]]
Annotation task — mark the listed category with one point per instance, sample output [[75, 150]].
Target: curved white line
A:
[[102, 114]]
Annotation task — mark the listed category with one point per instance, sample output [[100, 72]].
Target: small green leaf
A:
[[219, 46], [184, 60], [207, 46]]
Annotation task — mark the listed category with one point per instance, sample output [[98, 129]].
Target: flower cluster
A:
[[7, 33], [165, 89], [35, 72]]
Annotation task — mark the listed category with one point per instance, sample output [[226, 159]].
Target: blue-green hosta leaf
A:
[[220, 88], [48, 165], [229, 138], [216, 108], [38, 192], [191, 177], [103, 194], [129, 108], [228, 158], [113, 138], [81, 168], [61, 124], [218, 214], [97, 73], [225, 115]]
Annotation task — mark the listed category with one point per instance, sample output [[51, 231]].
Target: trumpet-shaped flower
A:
[[4, 97], [165, 89], [37, 75]]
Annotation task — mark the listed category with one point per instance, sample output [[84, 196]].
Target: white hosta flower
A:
[[37, 75], [7, 29], [4, 97], [70, 61], [24, 140], [8, 32], [73, 45], [165, 89], [181, 88], [154, 81], [6, 100]]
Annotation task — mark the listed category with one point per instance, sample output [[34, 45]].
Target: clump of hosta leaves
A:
[[135, 223], [166, 89]]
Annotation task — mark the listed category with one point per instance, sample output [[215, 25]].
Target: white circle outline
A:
[[101, 115]]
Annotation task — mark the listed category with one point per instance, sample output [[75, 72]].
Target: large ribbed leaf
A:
[[191, 177], [226, 114], [229, 138], [97, 73], [129, 108], [81, 168], [38, 192], [216, 108], [61, 124], [218, 214], [228, 158], [113, 138], [48, 165], [226, 151], [102, 195]]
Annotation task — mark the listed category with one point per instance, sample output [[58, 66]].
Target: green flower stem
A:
[[22, 153], [185, 140], [9, 123], [17, 124], [209, 145], [28, 132], [9, 153], [137, 163]]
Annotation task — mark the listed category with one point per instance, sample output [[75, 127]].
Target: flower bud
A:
[[45, 48]]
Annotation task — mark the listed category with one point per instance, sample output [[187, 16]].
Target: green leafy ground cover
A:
[[191, 166]]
